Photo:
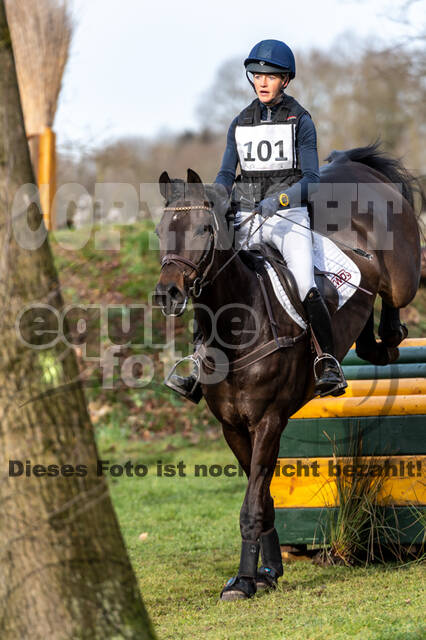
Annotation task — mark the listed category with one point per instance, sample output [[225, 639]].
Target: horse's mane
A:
[[392, 168]]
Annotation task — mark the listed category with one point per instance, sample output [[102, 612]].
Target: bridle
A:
[[200, 281], [193, 287]]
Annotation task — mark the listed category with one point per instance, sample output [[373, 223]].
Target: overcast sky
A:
[[140, 68]]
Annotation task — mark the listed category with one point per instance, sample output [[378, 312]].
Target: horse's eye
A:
[[202, 229]]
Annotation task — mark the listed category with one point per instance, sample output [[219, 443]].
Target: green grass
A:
[[193, 547]]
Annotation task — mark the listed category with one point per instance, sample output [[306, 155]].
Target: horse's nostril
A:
[[174, 292]]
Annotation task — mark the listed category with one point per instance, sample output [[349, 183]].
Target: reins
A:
[[200, 281], [264, 350], [235, 253]]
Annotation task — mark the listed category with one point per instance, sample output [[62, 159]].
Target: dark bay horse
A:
[[255, 399]]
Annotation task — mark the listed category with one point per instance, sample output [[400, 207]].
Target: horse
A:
[[270, 380]]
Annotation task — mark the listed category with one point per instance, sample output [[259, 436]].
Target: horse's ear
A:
[[164, 181], [195, 187], [193, 177]]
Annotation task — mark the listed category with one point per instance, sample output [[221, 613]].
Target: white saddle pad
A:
[[327, 257]]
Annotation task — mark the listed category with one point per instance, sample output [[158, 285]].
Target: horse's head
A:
[[187, 237]]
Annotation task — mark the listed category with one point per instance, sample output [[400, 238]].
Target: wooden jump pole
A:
[[47, 176]]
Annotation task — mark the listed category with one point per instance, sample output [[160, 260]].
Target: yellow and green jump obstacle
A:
[[384, 410]]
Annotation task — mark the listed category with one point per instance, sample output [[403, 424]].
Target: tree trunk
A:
[[64, 569]]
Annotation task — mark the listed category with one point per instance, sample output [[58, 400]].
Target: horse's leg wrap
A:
[[271, 551], [243, 585], [272, 565], [249, 559]]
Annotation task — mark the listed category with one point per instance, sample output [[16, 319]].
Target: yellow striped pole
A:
[[386, 387], [359, 406], [47, 176], [413, 342], [409, 342]]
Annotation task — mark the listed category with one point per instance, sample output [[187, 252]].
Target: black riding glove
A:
[[269, 206]]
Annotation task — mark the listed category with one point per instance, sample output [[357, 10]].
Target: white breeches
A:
[[293, 242]]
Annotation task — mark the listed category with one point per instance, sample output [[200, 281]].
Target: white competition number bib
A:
[[266, 147]]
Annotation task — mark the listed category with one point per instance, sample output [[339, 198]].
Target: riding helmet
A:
[[271, 56]]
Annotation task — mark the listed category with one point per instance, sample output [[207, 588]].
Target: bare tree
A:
[[64, 571], [229, 93]]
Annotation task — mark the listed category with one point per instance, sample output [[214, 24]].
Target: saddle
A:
[[255, 257]]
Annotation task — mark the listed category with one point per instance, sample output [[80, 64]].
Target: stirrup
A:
[[190, 394], [339, 388]]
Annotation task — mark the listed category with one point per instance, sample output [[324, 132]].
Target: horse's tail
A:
[[392, 168]]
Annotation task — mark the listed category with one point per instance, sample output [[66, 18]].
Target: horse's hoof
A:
[[230, 596], [263, 587], [378, 354], [393, 353], [238, 588], [266, 579], [395, 337]]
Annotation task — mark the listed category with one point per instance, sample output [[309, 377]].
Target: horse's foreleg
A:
[[367, 347], [391, 330], [263, 461], [270, 550], [272, 566], [240, 444]]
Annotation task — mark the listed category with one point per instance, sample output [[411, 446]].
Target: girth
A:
[[281, 342], [264, 350]]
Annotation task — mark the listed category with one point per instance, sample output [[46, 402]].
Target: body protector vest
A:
[[267, 151]]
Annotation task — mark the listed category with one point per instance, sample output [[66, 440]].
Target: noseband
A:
[[196, 286]]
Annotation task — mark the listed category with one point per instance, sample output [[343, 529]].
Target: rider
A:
[[274, 142]]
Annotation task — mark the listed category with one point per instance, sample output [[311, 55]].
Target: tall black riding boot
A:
[[187, 386], [329, 378]]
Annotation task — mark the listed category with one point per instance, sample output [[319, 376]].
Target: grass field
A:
[[191, 540], [192, 546]]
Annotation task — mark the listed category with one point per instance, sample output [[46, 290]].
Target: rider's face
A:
[[268, 86]]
